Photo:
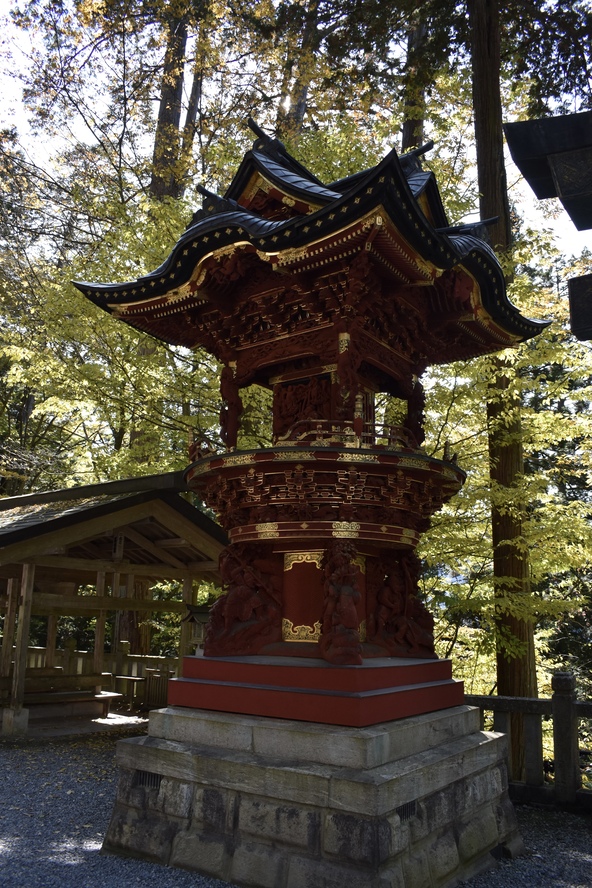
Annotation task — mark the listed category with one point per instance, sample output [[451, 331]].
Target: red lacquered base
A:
[[312, 690]]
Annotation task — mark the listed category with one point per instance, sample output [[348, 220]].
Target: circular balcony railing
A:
[[349, 434]]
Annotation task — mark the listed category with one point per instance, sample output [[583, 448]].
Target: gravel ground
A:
[[56, 796]]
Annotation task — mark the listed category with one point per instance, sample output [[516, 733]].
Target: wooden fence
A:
[[563, 785], [143, 679]]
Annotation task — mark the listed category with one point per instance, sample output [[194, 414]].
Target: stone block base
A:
[[265, 802]]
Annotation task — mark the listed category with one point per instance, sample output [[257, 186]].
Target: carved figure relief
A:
[[399, 621], [340, 636], [300, 401], [248, 615]]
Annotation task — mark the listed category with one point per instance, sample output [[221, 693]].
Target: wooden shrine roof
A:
[[278, 223], [139, 527]]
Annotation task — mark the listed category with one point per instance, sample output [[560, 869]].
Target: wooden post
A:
[[22, 636], [533, 746], [121, 661], [568, 778], [185, 636], [99, 648], [502, 723], [50, 647], [14, 717], [68, 656], [9, 624], [116, 593]]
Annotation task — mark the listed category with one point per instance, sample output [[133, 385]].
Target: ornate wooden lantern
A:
[[328, 295]]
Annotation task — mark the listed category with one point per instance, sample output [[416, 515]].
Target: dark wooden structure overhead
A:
[[554, 154]]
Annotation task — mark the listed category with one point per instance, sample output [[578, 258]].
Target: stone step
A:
[[406, 804], [366, 747]]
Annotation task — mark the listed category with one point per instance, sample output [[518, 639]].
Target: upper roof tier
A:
[[279, 239]]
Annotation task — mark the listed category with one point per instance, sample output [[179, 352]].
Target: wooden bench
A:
[[49, 687]]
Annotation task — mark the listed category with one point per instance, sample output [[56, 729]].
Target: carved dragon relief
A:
[[340, 641]]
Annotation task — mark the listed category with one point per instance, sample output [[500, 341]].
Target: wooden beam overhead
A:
[[141, 570], [156, 551], [74, 534], [70, 604], [173, 543], [198, 538]]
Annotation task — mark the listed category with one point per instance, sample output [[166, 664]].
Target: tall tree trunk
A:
[[515, 676], [190, 125], [292, 110], [166, 172], [414, 85]]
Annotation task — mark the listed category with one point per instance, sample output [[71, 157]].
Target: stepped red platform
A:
[[380, 690]]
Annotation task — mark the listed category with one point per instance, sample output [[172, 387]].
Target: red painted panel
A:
[[317, 675], [355, 710]]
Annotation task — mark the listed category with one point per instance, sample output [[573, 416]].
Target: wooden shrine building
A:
[[327, 295], [93, 550]]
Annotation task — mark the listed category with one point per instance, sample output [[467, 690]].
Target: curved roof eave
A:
[[383, 186], [480, 260], [288, 180]]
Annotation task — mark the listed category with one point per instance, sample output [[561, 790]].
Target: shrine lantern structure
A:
[[328, 296]]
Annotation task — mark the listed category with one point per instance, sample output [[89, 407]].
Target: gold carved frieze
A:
[[290, 632], [359, 457], [292, 558], [267, 531], [410, 463], [346, 530], [294, 456], [241, 459]]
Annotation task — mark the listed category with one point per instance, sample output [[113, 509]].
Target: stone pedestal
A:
[[257, 801]]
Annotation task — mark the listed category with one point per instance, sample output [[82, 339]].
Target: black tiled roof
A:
[[43, 513], [394, 185]]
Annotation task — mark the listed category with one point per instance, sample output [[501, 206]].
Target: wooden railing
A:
[[347, 433], [141, 679], [561, 782], [120, 662]]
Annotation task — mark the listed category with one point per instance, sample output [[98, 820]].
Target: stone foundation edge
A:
[[265, 822]]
